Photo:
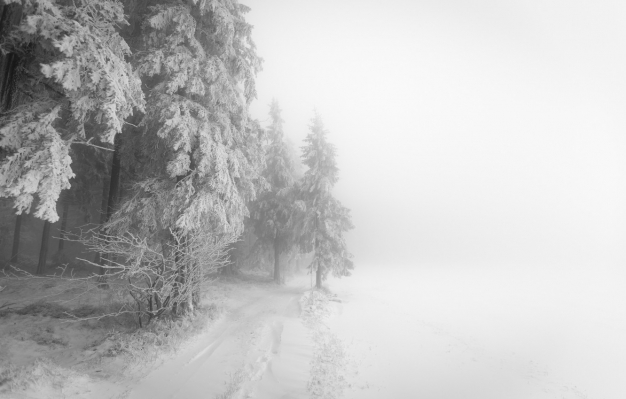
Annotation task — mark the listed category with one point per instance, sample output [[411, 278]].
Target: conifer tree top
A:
[[319, 155]]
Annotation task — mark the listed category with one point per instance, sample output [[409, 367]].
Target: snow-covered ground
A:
[[260, 349], [409, 332], [524, 332]]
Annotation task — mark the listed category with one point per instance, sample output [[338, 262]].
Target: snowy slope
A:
[[439, 333]]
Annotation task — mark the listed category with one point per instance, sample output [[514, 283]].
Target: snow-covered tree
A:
[[73, 71], [191, 158], [325, 220], [10, 15], [274, 212], [196, 154], [199, 150]]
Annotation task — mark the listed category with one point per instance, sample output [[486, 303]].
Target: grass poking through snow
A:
[[163, 337], [234, 384], [329, 366], [39, 379], [57, 340]]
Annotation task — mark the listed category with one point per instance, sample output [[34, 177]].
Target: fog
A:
[[485, 132], [482, 151]]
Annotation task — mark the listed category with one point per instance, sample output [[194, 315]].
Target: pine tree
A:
[[275, 210], [10, 16], [73, 72], [199, 150], [326, 220], [89, 165], [197, 153], [191, 157]]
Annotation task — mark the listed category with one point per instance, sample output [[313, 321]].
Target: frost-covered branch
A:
[[160, 276]]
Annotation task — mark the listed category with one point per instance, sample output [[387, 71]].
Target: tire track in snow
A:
[[249, 337]]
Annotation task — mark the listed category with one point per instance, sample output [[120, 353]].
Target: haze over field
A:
[[482, 152], [483, 131], [501, 334]]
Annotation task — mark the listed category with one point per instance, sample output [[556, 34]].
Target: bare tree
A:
[[152, 271]]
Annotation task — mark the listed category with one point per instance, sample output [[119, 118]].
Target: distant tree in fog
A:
[[274, 211], [325, 220]]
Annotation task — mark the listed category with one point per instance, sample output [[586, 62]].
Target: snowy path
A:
[[260, 349]]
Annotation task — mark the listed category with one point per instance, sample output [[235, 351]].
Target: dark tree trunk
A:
[[114, 187], [43, 252], [66, 208], [318, 276], [10, 15], [16, 239], [103, 212], [9, 62], [179, 307], [229, 268], [103, 202], [276, 260], [318, 271]]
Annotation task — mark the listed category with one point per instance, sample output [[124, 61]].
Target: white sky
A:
[[467, 131]]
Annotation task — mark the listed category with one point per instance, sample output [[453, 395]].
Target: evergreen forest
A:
[[128, 154]]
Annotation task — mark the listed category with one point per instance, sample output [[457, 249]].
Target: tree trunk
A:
[[43, 252], [10, 15], [114, 187], [229, 268], [114, 184], [66, 207], [318, 277], [184, 283], [103, 212], [179, 307], [9, 62], [318, 271], [276, 260], [16, 239]]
